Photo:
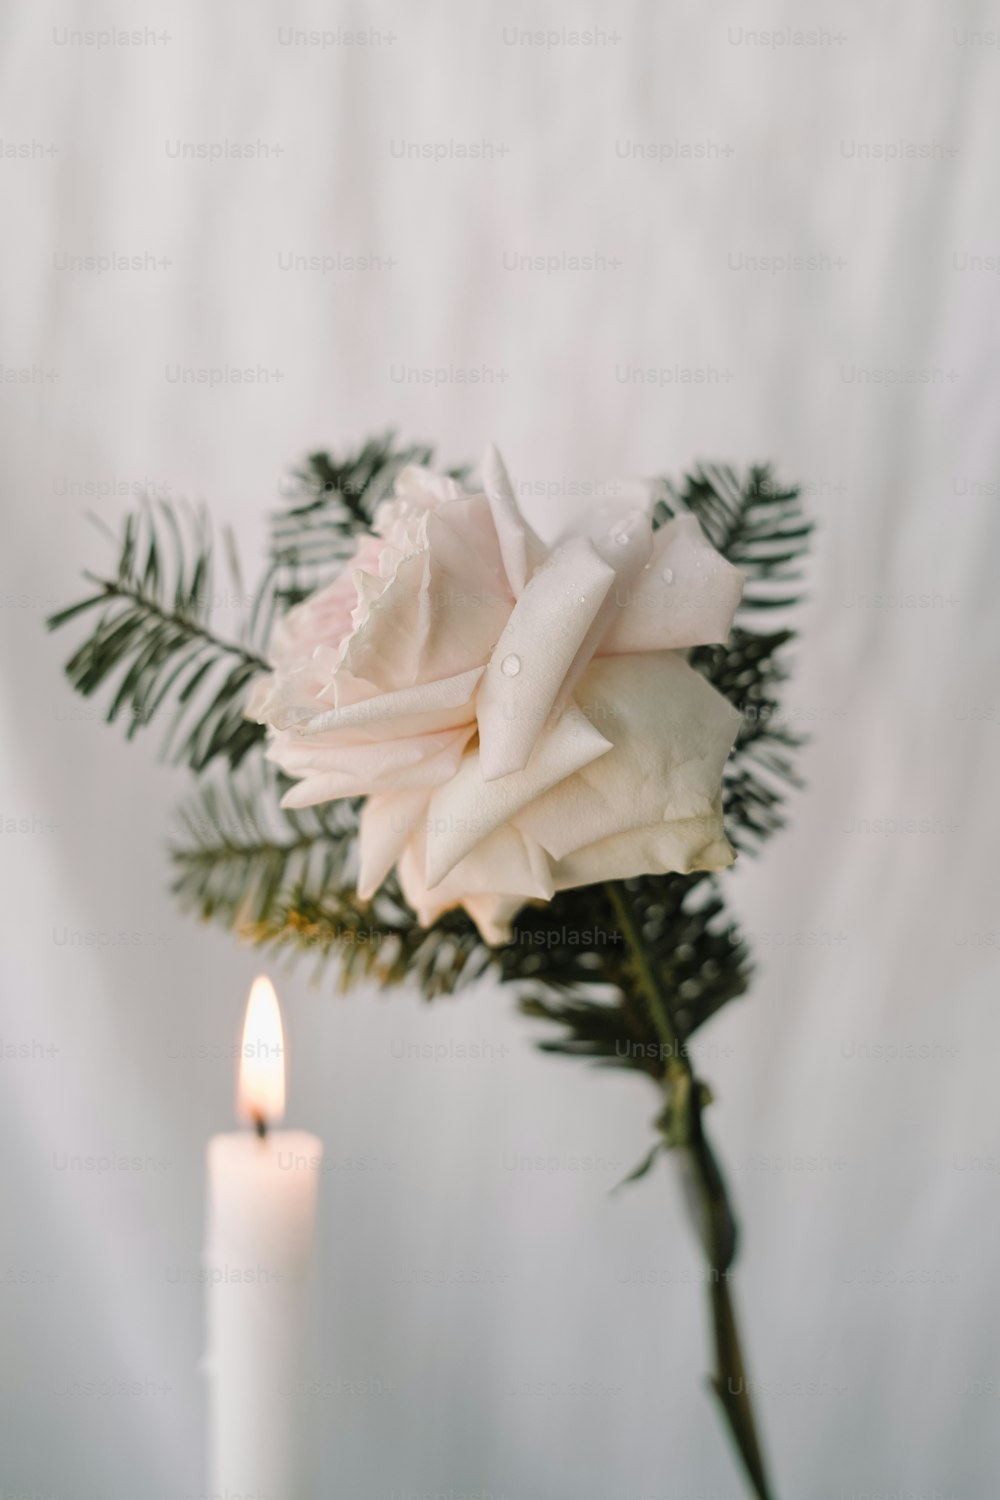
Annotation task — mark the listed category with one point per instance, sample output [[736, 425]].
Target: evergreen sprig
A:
[[623, 974], [155, 644], [155, 641], [697, 952], [240, 855], [760, 527], [286, 879]]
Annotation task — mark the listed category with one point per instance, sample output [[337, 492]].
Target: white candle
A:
[[261, 1227]]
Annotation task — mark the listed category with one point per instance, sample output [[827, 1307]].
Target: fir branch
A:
[[286, 879], [759, 526], [379, 941], [699, 957], [626, 972], [154, 641], [750, 670], [271, 874], [241, 856]]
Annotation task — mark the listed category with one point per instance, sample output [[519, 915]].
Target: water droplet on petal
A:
[[511, 665], [667, 575], [622, 539]]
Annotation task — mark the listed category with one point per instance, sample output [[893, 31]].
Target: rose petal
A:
[[429, 705], [338, 770], [624, 545], [671, 733], [467, 809], [521, 549], [469, 599], [442, 610], [421, 486], [324, 616], [494, 916], [601, 752], [687, 596], [656, 849], [386, 824], [526, 671], [386, 647], [507, 865]]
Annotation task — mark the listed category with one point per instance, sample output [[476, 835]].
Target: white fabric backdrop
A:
[[868, 1275]]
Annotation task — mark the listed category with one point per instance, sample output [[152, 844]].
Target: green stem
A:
[[684, 1130]]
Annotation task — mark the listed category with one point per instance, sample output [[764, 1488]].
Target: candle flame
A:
[[260, 1091]]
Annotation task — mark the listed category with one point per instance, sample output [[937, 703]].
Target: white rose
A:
[[519, 719]]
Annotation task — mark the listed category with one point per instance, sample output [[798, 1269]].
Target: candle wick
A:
[[260, 1125]]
